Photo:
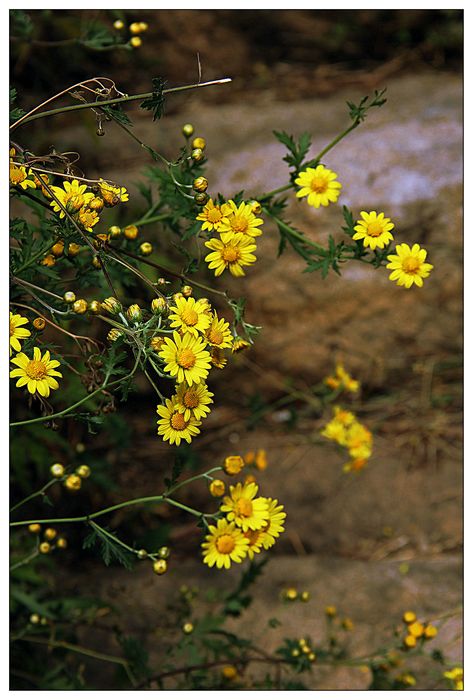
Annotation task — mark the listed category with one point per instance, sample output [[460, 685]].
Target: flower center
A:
[[215, 336], [35, 369], [230, 253], [318, 185], [374, 229], [75, 202], [244, 507], [178, 422], [191, 399], [410, 264], [225, 544], [12, 329], [252, 536], [186, 358], [17, 175], [214, 215], [239, 224], [190, 317]]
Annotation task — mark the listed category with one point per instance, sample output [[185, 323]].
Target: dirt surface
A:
[[346, 534]]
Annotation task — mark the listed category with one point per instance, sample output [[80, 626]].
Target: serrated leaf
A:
[[155, 103]]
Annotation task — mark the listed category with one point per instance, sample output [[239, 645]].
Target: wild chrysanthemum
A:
[[172, 424], [72, 196], [19, 177], [224, 544], [37, 373], [87, 218], [255, 541], [274, 526], [232, 252], [217, 358], [240, 219], [373, 229], [186, 358], [112, 194], [218, 334], [409, 266], [242, 507], [189, 316], [16, 332], [212, 214], [193, 400], [319, 185], [359, 441]]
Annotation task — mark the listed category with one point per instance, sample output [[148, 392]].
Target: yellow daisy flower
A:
[[224, 544], [217, 358], [189, 316], [212, 214], [239, 344], [409, 266], [373, 229], [240, 219], [16, 332], [87, 218], [274, 526], [37, 373], [112, 194], [319, 185], [218, 334], [334, 430], [342, 416], [19, 177], [255, 542], [242, 507], [456, 676], [186, 358], [193, 400], [232, 252], [359, 441], [172, 424], [73, 197]]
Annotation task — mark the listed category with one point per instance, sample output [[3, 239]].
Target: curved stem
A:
[[40, 492]]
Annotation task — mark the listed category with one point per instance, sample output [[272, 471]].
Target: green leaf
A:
[[116, 113], [109, 549], [155, 103]]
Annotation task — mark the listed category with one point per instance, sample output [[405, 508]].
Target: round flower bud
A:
[[79, 306], [186, 290], [188, 628], [39, 323], [311, 656], [44, 620], [256, 207], [410, 641], [130, 232], [197, 155], [113, 335], [164, 552], [177, 295], [73, 482], [83, 471], [95, 307], [200, 184], [229, 672], [430, 632], [135, 28], [58, 249], [96, 204], [233, 464], [101, 238], [50, 533], [146, 248], [48, 261], [409, 617], [114, 231], [305, 596], [118, 24], [187, 130], [111, 305], [416, 629], [69, 297], [330, 610], [143, 26], [34, 619], [34, 528], [135, 41], [199, 142], [160, 567], [134, 313], [61, 542], [305, 649], [290, 594], [201, 198], [96, 262], [295, 653], [162, 282], [159, 305], [73, 249], [156, 343], [142, 554], [217, 488], [44, 547]]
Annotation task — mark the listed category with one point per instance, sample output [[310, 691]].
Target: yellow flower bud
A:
[[156, 343], [118, 24], [330, 610], [164, 552], [197, 155], [111, 305], [199, 142], [44, 547], [114, 231], [96, 262], [79, 306], [61, 542], [430, 632], [261, 461], [187, 627], [409, 617], [410, 641], [135, 41], [187, 130], [58, 249], [39, 323], [73, 249], [50, 533], [229, 672], [217, 488], [96, 204], [143, 26], [69, 297], [34, 528], [186, 290], [201, 198], [233, 464], [290, 594], [312, 657], [135, 28], [416, 629], [73, 482], [48, 261], [113, 335], [95, 307], [134, 313], [146, 248], [83, 471], [160, 566], [130, 232], [305, 596], [256, 207], [200, 184], [347, 624], [34, 619], [142, 554]]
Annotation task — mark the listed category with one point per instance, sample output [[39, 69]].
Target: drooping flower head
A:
[[240, 219], [242, 507], [172, 424], [212, 214], [373, 229], [16, 332], [224, 544], [112, 194], [193, 400], [319, 185], [37, 374], [186, 358], [232, 252], [189, 316], [409, 266]]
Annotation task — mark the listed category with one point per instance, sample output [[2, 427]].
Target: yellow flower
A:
[[373, 229], [212, 214], [186, 358], [334, 430], [261, 460], [409, 266], [239, 344], [455, 675], [233, 464], [358, 441], [342, 379], [193, 400], [274, 526], [240, 219], [217, 358], [232, 252], [19, 176], [73, 197], [416, 629], [430, 631], [256, 540], [16, 332], [319, 185], [112, 194], [242, 507], [409, 617], [224, 543], [87, 218], [37, 373], [218, 334], [173, 426], [346, 418], [189, 316]]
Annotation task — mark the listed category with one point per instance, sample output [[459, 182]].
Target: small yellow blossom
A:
[[224, 544], [112, 194], [319, 185], [409, 266], [232, 252], [189, 316], [20, 177], [218, 333], [173, 426], [274, 526], [244, 508], [72, 196], [233, 464], [38, 373], [185, 358], [17, 333], [193, 400], [240, 219], [374, 230]]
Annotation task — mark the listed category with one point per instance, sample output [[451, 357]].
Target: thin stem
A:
[[40, 492], [297, 234], [24, 283], [24, 561]]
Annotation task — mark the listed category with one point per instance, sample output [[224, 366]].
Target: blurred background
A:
[[374, 543]]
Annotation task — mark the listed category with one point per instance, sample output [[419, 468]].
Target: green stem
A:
[[182, 506], [150, 219], [41, 492], [296, 234], [24, 561]]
